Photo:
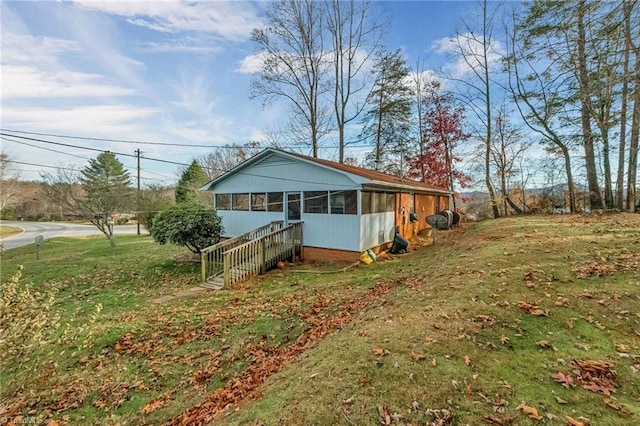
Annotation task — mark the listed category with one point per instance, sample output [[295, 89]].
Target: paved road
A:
[[56, 229]]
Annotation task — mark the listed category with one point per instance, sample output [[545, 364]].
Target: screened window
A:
[[274, 201], [366, 202], [240, 201], [223, 201], [258, 202], [382, 202], [316, 202], [344, 202], [379, 202], [391, 202]]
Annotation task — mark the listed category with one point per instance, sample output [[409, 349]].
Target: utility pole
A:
[[138, 192]]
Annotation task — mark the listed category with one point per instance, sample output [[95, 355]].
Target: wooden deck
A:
[[251, 254]]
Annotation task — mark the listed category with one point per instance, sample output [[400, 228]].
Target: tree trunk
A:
[[379, 130], [595, 197], [487, 99], [608, 193], [572, 190], [623, 107], [635, 134]]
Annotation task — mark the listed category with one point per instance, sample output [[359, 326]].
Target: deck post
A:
[[227, 275], [301, 244], [203, 263], [262, 255]]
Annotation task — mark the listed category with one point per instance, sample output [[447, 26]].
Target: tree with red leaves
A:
[[442, 124]]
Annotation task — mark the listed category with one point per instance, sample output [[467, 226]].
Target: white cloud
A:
[[230, 20], [95, 117], [251, 64], [193, 89], [27, 49], [186, 44], [467, 48], [23, 81]]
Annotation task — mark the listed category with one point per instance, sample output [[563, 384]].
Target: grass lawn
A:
[[515, 321], [7, 231]]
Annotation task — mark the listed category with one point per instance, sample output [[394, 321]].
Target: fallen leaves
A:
[[544, 344], [573, 422], [244, 384], [384, 416], [624, 262], [467, 361], [496, 421], [565, 379], [533, 309], [379, 352], [158, 402], [596, 376], [532, 412], [417, 356]]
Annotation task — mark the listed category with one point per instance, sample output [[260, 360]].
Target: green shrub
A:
[[187, 224]]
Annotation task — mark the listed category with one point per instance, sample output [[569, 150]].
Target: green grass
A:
[[7, 231], [403, 348]]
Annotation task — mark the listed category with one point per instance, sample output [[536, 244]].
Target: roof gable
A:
[[359, 175]]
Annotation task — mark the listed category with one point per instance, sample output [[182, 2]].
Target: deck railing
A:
[[257, 256], [212, 257]]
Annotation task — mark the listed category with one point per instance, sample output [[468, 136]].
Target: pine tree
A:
[[387, 123], [106, 187], [189, 184]]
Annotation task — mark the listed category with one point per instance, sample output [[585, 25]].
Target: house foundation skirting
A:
[[320, 254]]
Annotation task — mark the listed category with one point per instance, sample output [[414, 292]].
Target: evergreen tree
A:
[[189, 184], [387, 123], [106, 190]]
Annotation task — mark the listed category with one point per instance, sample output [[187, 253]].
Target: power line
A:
[[41, 165], [161, 161], [93, 149], [121, 140], [354, 145], [42, 147]]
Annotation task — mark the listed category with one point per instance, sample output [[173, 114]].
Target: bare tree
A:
[[538, 91], [507, 149], [582, 72], [225, 158], [624, 103], [355, 38], [9, 177], [476, 46], [635, 116], [294, 65], [605, 94]]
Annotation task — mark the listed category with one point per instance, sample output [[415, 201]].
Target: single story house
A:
[[344, 209]]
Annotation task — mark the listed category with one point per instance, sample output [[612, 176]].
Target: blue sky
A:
[[170, 72]]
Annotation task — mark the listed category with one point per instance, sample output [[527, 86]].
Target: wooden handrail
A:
[[211, 258], [257, 256]]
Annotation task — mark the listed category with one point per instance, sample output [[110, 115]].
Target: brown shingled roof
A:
[[370, 174]]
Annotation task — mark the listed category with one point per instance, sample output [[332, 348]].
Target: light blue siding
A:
[[335, 231], [376, 229], [238, 222], [277, 174]]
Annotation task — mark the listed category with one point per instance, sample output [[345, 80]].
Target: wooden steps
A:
[[214, 283], [237, 260]]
